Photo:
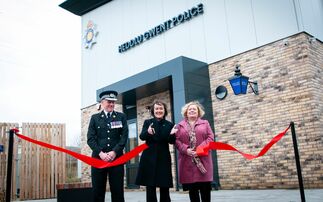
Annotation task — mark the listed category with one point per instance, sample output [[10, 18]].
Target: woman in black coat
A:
[[155, 162]]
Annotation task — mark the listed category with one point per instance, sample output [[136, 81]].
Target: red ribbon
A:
[[204, 150], [201, 151], [97, 163]]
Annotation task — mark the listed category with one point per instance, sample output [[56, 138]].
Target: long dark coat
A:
[[155, 163]]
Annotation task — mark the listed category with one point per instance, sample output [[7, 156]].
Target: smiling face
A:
[[108, 105], [192, 112], [159, 111]]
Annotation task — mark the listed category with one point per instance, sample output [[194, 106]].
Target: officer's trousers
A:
[[99, 180]]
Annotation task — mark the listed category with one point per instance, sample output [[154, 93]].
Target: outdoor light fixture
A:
[[239, 83], [221, 92]]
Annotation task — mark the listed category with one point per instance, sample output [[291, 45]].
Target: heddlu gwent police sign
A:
[[159, 29]]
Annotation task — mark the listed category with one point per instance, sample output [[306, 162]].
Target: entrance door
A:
[[133, 164]]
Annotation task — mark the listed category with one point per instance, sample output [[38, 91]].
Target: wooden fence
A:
[[39, 169]]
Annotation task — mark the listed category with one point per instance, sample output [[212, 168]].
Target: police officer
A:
[[107, 136]]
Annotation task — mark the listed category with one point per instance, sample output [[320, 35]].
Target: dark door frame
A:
[[131, 167]]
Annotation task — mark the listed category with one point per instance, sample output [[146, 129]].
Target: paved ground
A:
[[277, 195]]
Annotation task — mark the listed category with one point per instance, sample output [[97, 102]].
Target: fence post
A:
[[298, 164], [9, 165]]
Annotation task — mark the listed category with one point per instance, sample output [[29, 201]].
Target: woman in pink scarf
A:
[[195, 172]]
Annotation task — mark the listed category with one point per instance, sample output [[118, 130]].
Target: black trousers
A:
[[152, 197], [198, 189], [99, 180]]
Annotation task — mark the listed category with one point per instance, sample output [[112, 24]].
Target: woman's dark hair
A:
[[158, 102]]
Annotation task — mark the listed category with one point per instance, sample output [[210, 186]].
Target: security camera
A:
[[311, 39], [286, 43]]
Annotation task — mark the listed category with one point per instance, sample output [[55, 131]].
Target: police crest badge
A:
[[90, 35]]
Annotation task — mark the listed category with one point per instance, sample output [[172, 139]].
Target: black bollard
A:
[[9, 165], [298, 164]]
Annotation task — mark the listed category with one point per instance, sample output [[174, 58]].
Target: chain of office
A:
[[159, 29]]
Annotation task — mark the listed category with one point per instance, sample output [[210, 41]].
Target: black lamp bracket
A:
[[254, 87]]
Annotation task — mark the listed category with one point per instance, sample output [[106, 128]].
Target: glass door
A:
[[133, 164]]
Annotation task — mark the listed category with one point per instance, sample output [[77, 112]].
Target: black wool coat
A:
[[155, 167]]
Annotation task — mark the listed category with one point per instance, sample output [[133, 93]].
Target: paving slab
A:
[[275, 195]]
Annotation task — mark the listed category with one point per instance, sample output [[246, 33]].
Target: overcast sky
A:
[[40, 64]]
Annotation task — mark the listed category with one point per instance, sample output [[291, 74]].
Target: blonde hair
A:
[[200, 109]]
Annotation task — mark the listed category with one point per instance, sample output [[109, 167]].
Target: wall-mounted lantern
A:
[[239, 83]]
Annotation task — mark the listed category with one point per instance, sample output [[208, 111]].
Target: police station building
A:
[[183, 50]]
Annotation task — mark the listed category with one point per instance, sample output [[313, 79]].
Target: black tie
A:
[[108, 114]]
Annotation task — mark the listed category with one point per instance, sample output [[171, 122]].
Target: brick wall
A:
[[289, 75]]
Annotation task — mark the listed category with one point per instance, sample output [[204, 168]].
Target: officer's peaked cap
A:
[[109, 95]]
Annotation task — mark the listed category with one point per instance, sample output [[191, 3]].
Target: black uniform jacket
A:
[[107, 134], [155, 162]]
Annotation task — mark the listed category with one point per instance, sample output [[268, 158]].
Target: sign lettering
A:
[[161, 28]]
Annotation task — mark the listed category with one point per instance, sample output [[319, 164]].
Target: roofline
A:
[[81, 7]]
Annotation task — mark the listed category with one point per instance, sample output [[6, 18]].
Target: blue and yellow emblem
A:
[[90, 35]]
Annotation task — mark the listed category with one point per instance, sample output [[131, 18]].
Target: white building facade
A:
[[183, 50]]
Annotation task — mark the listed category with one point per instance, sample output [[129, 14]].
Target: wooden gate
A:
[[36, 170]]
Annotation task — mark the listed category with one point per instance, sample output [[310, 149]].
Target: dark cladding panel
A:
[[187, 79], [81, 7]]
